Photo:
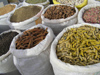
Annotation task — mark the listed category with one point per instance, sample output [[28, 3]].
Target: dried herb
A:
[[31, 38], [5, 41], [59, 11], [80, 46], [6, 9], [35, 1], [25, 13]]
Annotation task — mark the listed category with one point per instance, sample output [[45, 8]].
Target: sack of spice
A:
[[90, 14], [59, 16], [42, 2], [31, 51], [6, 58], [24, 17], [76, 50], [5, 12]]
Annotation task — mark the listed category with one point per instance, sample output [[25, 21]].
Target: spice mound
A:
[[71, 2], [35, 1], [80, 46], [31, 38], [92, 15], [59, 12], [6, 9], [25, 13], [13, 1], [5, 41]]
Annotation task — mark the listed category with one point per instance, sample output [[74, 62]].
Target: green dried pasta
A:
[[80, 46]]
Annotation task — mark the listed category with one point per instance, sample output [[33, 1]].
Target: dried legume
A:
[[59, 11], [5, 41], [31, 38], [80, 46], [35, 1], [92, 15]]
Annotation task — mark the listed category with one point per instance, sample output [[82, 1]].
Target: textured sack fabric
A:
[[62, 68], [81, 12], [58, 24], [27, 23], [6, 60], [93, 1], [34, 61]]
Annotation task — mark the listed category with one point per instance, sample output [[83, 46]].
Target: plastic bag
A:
[[27, 23], [6, 60], [34, 61], [58, 24], [62, 68]]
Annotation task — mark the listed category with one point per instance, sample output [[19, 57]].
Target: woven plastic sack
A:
[[58, 24], [62, 68], [81, 12], [93, 1], [6, 60], [34, 61], [27, 23]]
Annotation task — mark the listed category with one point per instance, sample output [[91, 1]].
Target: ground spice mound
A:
[[59, 11], [25, 13], [35, 1], [92, 15], [6, 9], [5, 41], [31, 38]]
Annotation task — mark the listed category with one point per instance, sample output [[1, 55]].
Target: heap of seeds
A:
[[31, 38], [59, 11], [35, 1], [5, 41], [80, 46]]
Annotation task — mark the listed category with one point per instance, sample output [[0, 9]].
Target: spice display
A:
[[12, 1], [31, 38], [25, 13], [6, 9], [35, 1], [92, 15], [5, 41], [71, 2], [80, 46], [59, 11]]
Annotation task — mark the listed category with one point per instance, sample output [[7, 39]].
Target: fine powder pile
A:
[[92, 15], [6, 9], [31, 38], [80, 46], [59, 12], [35, 1], [25, 13], [5, 41]]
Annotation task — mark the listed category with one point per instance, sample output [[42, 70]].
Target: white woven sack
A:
[[34, 61], [81, 12], [93, 1], [25, 24], [62, 68], [58, 24], [6, 60], [44, 3]]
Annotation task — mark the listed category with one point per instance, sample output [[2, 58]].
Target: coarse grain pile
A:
[[59, 12], [5, 41], [80, 46], [25, 13], [92, 15], [12, 1], [31, 38], [6, 9], [35, 1], [71, 2]]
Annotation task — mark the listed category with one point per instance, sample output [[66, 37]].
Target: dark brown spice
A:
[[31, 38], [59, 11], [5, 41]]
